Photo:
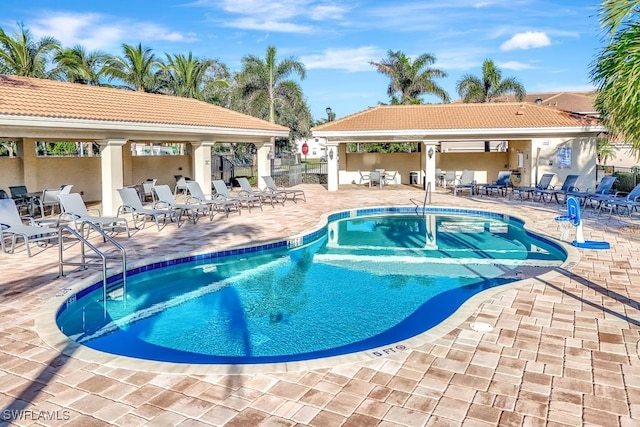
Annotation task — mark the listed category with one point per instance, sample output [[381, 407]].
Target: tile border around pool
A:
[[45, 320]]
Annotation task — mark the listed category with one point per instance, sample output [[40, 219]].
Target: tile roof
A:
[[578, 102], [23, 96], [495, 115]]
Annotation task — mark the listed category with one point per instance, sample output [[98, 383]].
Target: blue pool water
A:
[[358, 284]]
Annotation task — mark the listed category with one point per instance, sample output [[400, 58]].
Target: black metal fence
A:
[[306, 173], [628, 177]]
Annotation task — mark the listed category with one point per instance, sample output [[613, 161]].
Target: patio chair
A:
[[390, 177], [11, 226], [449, 179], [74, 209], [216, 201], [268, 195], [567, 186], [22, 198], [243, 198], [529, 191], [364, 177], [500, 185], [601, 192], [271, 185], [4, 195], [629, 201], [375, 178], [147, 189], [467, 182], [131, 204], [164, 199]]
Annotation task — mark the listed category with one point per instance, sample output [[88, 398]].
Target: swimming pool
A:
[[368, 279]]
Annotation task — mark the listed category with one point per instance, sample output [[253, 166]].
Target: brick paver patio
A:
[[563, 351]]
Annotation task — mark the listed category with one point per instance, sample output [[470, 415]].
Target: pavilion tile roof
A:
[[23, 96], [495, 115]]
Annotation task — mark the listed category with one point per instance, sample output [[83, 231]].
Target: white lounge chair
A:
[[74, 209], [264, 195], [131, 204], [11, 226], [243, 198], [467, 182], [271, 185], [147, 189], [164, 198], [216, 201]]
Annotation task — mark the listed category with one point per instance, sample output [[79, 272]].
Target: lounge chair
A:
[[49, 198], [449, 179], [530, 191], [500, 185], [181, 184], [11, 226], [271, 185], [74, 209], [264, 195], [164, 199], [243, 198], [147, 189], [601, 192], [467, 182], [569, 185], [628, 201], [23, 199], [131, 204], [216, 201]]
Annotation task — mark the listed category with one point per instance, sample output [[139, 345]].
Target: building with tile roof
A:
[[537, 139], [34, 110]]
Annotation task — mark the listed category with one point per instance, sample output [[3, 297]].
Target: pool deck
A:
[[564, 350]]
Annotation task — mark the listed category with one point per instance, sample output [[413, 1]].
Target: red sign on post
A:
[[305, 149]]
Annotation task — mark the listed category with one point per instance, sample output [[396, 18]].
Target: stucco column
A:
[[332, 165], [201, 163], [429, 150], [112, 174], [265, 151], [27, 150]]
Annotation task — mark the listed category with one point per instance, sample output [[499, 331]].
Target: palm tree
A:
[[22, 55], [138, 69], [189, 77], [605, 150], [263, 87], [615, 71], [411, 79], [78, 66], [492, 85]]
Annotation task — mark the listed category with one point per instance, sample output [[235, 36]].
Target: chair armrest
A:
[[94, 209]]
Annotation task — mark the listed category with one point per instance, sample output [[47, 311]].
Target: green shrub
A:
[[626, 181]]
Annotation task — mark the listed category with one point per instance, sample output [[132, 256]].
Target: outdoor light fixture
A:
[[329, 113], [331, 154], [430, 152]]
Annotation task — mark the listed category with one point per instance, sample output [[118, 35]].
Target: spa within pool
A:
[[362, 282]]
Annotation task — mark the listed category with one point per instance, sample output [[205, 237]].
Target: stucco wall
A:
[[162, 168], [583, 160], [401, 162], [485, 165], [11, 172]]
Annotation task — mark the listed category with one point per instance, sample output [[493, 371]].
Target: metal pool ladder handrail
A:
[[427, 196], [86, 264]]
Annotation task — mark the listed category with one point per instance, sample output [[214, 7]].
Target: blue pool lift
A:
[[573, 217]]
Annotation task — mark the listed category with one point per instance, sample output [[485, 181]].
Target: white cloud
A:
[[526, 40], [514, 65], [95, 31], [350, 60], [268, 25]]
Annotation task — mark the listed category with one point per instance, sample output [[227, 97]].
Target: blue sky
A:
[[547, 44]]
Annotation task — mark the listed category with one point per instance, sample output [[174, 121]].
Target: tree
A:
[[263, 87], [615, 71], [138, 69], [185, 75], [605, 150], [490, 86], [410, 79], [22, 55], [79, 66]]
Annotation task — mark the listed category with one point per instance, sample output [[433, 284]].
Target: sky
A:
[[549, 45]]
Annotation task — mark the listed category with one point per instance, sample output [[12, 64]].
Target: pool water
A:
[[365, 283]]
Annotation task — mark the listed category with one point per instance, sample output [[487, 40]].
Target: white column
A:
[[429, 150], [265, 151], [112, 174], [201, 166], [332, 165]]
